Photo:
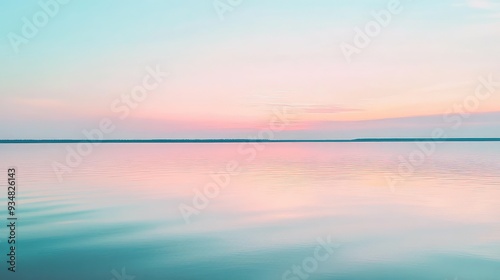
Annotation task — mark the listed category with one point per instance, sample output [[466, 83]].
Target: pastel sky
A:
[[230, 71]]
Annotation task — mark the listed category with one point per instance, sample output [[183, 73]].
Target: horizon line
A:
[[355, 140]]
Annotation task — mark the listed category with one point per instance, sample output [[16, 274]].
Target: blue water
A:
[[117, 215]]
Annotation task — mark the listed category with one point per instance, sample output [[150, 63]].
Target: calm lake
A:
[[255, 211]]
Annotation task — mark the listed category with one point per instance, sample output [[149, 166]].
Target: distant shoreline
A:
[[201, 141]]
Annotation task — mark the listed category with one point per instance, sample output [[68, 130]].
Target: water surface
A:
[[120, 209]]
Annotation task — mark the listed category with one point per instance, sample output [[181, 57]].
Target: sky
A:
[[287, 69]]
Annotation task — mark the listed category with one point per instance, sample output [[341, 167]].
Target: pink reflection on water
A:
[[292, 192]]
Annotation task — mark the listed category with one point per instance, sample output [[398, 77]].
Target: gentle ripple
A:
[[120, 209]]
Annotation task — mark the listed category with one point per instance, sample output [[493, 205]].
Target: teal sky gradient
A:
[[227, 76]]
